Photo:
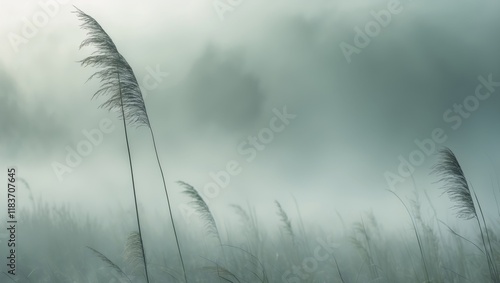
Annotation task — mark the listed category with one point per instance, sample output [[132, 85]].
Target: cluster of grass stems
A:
[[432, 251]]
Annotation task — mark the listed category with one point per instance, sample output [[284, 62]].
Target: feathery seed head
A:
[[455, 184], [118, 81]]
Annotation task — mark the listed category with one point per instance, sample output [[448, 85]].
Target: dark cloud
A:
[[219, 91]]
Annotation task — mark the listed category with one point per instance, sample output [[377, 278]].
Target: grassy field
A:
[[59, 245]]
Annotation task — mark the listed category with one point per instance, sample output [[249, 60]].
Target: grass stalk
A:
[[416, 235], [124, 93], [169, 205], [133, 188]]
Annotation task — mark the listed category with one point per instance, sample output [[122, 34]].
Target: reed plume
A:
[[120, 86], [110, 263], [287, 225], [203, 210], [133, 251], [455, 184], [458, 190], [118, 81], [248, 222]]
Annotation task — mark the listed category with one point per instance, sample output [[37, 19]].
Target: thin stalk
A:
[[133, 184], [487, 253], [168, 204], [488, 250], [338, 268], [301, 222], [373, 266], [416, 235], [461, 237]]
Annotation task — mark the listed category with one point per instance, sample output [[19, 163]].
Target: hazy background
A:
[[225, 77]]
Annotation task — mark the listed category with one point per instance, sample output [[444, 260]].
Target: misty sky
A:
[[212, 83]]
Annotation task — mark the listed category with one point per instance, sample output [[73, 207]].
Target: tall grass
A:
[[110, 264], [457, 187], [199, 204], [285, 220], [417, 236], [119, 82]]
